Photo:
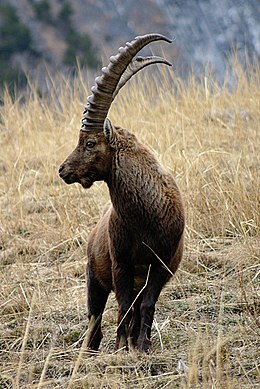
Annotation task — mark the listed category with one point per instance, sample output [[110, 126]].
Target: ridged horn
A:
[[134, 67], [113, 78]]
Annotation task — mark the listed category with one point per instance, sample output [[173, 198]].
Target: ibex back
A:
[[138, 242]]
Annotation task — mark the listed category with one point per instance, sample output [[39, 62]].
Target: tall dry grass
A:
[[205, 331]]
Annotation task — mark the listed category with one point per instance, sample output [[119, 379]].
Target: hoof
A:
[[143, 347]]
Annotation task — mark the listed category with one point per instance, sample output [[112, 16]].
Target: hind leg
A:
[[96, 301], [157, 279]]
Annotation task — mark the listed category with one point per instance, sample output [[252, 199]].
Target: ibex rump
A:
[[138, 242]]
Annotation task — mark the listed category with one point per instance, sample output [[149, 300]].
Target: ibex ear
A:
[[108, 129]]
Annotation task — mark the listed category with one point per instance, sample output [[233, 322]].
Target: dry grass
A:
[[205, 332]]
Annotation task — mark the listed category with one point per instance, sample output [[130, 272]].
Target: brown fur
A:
[[143, 222]]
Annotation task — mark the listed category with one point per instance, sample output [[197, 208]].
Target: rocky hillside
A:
[[58, 31]]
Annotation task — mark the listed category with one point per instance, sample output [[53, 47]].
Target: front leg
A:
[[123, 280], [96, 301], [123, 276]]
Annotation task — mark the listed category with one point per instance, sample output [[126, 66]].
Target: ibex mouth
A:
[[70, 178]]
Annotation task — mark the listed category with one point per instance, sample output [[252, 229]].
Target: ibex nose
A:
[[61, 168]]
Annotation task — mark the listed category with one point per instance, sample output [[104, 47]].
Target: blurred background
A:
[[49, 36]]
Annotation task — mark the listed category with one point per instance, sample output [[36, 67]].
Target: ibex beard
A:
[[137, 244]]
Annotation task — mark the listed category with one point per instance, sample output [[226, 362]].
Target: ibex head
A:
[[91, 159]]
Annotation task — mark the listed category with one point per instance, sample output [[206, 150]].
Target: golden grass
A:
[[205, 331]]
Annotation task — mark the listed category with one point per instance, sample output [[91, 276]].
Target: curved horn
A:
[[105, 85], [134, 67]]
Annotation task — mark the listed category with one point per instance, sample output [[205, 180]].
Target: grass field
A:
[[206, 327]]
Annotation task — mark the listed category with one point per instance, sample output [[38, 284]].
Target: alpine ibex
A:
[[137, 244]]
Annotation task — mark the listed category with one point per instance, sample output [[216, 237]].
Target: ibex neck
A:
[[138, 188]]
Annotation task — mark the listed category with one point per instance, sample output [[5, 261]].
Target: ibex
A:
[[137, 244]]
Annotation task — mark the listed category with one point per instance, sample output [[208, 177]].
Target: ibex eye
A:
[[90, 144]]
